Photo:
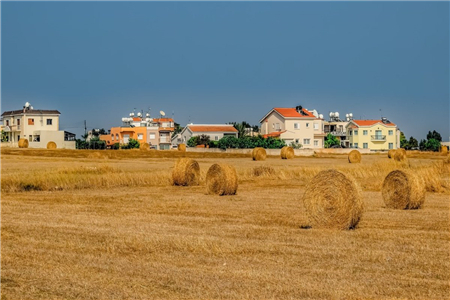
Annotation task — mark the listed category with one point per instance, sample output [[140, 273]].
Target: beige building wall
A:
[[274, 122], [366, 137]]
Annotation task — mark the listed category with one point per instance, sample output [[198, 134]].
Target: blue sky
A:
[[216, 62]]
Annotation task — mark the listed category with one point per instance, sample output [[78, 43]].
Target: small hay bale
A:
[[23, 143], [186, 172], [354, 157], [391, 153], [444, 149], [51, 145], [182, 147], [333, 200], [259, 153], [221, 179], [144, 146], [287, 152], [263, 171], [400, 155], [403, 190]]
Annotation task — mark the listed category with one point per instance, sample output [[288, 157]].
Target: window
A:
[[273, 125], [391, 132], [307, 125], [152, 136], [355, 145], [30, 121], [364, 132], [297, 141], [306, 141], [350, 132], [277, 126], [18, 122], [216, 138], [140, 136], [7, 122], [49, 121], [391, 145], [296, 126], [316, 126], [316, 143], [356, 132], [117, 137], [112, 137], [365, 145], [30, 138]]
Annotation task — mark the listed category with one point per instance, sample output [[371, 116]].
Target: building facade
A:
[[294, 125], [154, 131], [373, 134], [214, 131], [38, 126]]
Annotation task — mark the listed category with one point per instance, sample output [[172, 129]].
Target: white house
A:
[[214, 131], [296, 125], [39, 126]]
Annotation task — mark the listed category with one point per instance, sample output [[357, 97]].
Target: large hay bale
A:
[[391, 153], [23, 143], [221, 179], [400, 155], [403, 190], [354, 157], [182, 147], [144, 146], [259, 153], [287, 152], [444, 149], [186, 172], [333, 200], [51, 145]]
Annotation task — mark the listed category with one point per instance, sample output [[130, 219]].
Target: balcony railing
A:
[[164, 140], [378, 138], [337, 133]]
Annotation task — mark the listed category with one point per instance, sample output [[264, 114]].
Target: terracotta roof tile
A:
[[371, 122], [274, 134], [213, 128], [292, 113]]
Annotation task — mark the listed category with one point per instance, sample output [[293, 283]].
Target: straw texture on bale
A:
[[354, 156], [391, 153], [259, 153], [221, 179], [23, 143], [182, 147], [51, 145], [403, 190], [144, 146], [444, 149], [186, 172], [287, 152], [400, 155], [333, 200]]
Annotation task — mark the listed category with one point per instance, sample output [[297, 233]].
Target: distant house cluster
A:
[[297, 126]]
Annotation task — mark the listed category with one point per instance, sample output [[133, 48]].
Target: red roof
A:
[[292, 113], [212, 128], [371, 122], [157, 120], [274, 134]]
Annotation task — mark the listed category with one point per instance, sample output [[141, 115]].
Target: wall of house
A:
[[270, 123], [305, 131], [360, 138], [47, 136], [40, 123]]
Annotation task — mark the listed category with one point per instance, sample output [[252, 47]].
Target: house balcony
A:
[[164, 139], [336, 133], [378, 138]]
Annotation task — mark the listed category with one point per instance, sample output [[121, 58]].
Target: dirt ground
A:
[[152, 240]]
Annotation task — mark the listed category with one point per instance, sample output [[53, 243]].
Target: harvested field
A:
[[75, 227]]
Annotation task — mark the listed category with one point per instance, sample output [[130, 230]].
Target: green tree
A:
[[422, 145], [433, 145], [296, 145], [193, 141], [434, 135], [133, 144], [203, 139], [4, 136], [403, 141], [177, 129], [331, 140], [413, 143]]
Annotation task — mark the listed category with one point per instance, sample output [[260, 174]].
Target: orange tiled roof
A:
[[204, 128], [156, 120], [274, 134], [371, 122], [292, 113]]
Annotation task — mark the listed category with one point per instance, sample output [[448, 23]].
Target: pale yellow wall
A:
[[360, 138], [267, 125]]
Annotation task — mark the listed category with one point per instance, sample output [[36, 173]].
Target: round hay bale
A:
[[354, 157], [23, 143], [333, 200], [444, 149], [186, 172], [51, 145], [144, 146], [182, 147], [403, 190], [259, 153], [400, 155], [221, 179], [391, 153], [287, 152]]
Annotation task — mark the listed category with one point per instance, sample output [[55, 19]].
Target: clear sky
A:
[[217, 62]]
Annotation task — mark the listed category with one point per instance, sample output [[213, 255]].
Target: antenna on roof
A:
[[162, 113]]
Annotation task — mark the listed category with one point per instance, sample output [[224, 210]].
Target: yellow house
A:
[[373, 134]]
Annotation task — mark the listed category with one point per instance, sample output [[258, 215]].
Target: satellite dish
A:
[[147, 115], [31, 107], [321, 116], [346, 115], [350, 115], [162, 113], [131, 114], [27, 104], [139, 114], [331, 114], [336, 114]]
